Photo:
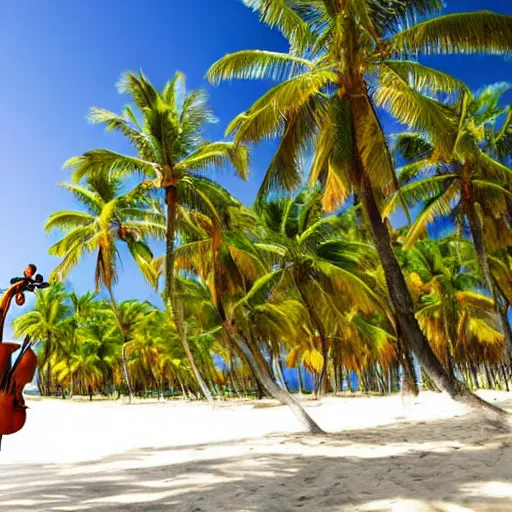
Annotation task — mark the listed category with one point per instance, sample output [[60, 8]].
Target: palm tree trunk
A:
[[124, 361], [322, 383], [404, 310], [233, 377], [477, 234], [505, 379], [49, 378], [408, 365], [474, 371], [279, 366], [183, 392], [171, 200], [71, 386], [182, 331], [126, 375], [257, 362], [301, 382]]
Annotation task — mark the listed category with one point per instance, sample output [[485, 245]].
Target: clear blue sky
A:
[[59, 58]]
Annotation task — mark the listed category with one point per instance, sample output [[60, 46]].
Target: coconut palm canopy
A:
[[311, 286]]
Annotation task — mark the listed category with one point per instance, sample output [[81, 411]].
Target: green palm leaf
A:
[[474, 32]]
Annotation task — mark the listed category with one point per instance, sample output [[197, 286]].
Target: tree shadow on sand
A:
[[403, 467]]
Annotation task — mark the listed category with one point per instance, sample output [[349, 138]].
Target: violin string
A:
[[7, 378]]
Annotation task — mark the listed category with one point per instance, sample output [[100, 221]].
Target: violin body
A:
[[12, 381], [12, 414]]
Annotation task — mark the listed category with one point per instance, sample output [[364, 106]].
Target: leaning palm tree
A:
[[221, 254], [346, 59], [171, 151], [110, 218]]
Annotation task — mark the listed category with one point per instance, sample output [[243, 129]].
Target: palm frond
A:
[[103, 161], [67, 219], [437, 207], [280, 14], [472, 32], [416, 111], [285, 169], [139, 88], [85, 195], [426, 80], [266, 118], [411, 146], [217, 154], [257, 64]]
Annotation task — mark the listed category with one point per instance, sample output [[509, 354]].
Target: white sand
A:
[[106, 456]]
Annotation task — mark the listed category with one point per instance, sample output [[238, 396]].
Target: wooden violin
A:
[[14, 376]]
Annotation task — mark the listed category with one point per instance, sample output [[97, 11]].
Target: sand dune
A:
[[378, 456]]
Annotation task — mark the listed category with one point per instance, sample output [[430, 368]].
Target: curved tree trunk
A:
[[182, 331], [404, 310], [171, 200], [408, 364], [126, 375], [257, 363]]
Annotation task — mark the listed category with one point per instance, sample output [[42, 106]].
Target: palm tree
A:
[[460, 322], [220, 252], [83, 366], [82, 308], [328, 271], [464, 182], [342, 65], [100, 331], [111, 218], [46, 323], [170, 145]]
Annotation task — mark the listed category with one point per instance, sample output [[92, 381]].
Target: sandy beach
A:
[[431, 455]]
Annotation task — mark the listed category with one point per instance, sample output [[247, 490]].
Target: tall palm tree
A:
[[348, 57], [46, 324], [167, 134], [111, 218]]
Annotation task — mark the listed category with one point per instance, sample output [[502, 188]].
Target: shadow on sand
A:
[[403, 467]]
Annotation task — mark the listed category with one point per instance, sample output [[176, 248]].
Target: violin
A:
[[14, 376]]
